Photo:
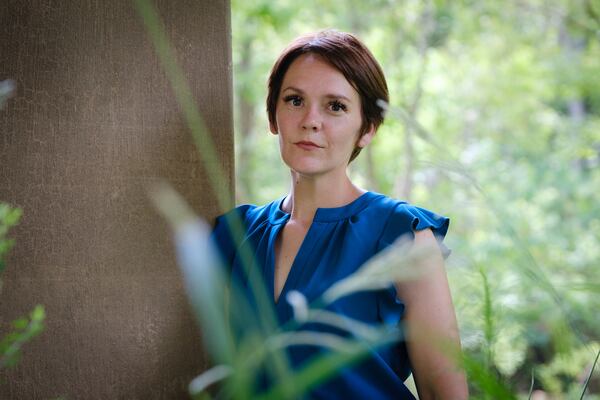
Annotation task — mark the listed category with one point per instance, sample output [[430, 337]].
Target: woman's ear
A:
[[366, 138], [273, 128]]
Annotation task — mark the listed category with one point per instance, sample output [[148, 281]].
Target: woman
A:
[[323, 105]]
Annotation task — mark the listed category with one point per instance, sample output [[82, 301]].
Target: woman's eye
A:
[[336, 106], [295, 101]]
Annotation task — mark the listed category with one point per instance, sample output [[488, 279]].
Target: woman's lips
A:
[[306, 145]]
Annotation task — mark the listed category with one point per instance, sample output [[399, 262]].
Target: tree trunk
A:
[[93, 124], [405, 182]]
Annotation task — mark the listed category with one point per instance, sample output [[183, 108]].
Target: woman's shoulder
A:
[[402, 218], [250, 213], [249, 217], [418, 216]]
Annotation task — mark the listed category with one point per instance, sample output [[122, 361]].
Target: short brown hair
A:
[[346, 53]]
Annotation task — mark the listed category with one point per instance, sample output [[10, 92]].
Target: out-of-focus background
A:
[[494, 121]]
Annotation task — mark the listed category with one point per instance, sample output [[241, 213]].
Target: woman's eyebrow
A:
[[338, 96], [295, 89], [329, 95]]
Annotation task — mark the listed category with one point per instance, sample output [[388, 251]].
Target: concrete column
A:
[[94, 121]]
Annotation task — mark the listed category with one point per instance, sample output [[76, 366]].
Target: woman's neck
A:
[[309, 193]]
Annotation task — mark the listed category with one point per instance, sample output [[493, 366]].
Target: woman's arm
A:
[[432, 332]]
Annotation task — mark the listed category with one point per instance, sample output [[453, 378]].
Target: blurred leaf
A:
[[7, 90], [24, 329], [20, 324], [395, 263]]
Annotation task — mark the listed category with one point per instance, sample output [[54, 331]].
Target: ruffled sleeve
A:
[[405, 219]]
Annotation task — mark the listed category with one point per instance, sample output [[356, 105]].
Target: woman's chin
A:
[[312, 171], [307, 170], [313, 166], [305, 166]]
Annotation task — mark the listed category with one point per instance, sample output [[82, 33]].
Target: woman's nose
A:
[[312, 119]]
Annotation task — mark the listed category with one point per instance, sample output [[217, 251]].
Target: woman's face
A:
[[318, 117]]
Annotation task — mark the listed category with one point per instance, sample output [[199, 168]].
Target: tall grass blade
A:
[[395, 263], [200, 265], [203, 140], [208, 155], [208, 378], [488, 318], [185, 99], [206, 287], [531, 386], [347, 353], [587, 380]]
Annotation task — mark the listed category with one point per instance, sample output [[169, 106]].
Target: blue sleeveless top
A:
[[339, 241]]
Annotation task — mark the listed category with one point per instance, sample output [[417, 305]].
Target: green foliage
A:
[[25, 328], [487, 384], [566, 368], [9, 217]]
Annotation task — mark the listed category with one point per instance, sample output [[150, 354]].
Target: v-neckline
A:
[[292, 274], [281, 218]]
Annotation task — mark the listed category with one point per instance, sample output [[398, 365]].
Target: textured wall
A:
[[93, 123]]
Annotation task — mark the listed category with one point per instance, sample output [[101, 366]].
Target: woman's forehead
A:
[[311, 74]]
